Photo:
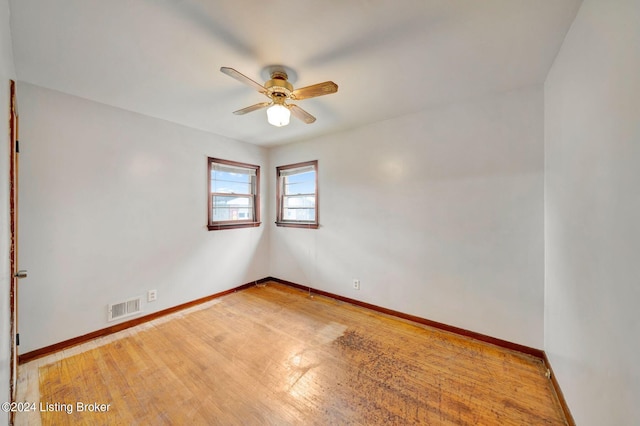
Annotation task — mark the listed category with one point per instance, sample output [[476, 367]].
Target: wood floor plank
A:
[[274, 355]]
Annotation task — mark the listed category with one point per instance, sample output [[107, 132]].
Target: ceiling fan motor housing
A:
[[278, 85]]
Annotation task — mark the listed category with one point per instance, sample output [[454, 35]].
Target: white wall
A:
[[114, 204], [592, 214], [439, 214], [7, 72]]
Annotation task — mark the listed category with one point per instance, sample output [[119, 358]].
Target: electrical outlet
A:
[[152, 295], [356, 284]]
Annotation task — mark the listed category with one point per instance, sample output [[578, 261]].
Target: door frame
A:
[[13, 235]]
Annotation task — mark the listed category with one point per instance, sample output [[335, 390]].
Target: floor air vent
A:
[[125, 309]]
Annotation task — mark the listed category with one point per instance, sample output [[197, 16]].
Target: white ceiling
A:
[[162, 57]]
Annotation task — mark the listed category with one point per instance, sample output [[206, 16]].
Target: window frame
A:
[[315, 224], [233, 224]]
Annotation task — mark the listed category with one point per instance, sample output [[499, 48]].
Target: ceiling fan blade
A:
[[320, 89], [243, 79], [252, 108], [301, 114]]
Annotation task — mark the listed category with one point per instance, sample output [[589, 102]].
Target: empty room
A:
[[320, 212]]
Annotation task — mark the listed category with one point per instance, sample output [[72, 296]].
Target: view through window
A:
[[297, 195], [233, 194]]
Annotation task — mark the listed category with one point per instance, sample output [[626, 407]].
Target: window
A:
[[234, 200], [297, 195]]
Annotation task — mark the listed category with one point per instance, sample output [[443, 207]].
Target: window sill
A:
[[307, 225], [220, 227]]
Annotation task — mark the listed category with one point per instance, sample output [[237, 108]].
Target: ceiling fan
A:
[[279, 90]]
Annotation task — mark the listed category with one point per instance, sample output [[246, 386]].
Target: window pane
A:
[[299, 214], [302, 183], [231, 183], [232, 208], [299, 208], [299, 201]]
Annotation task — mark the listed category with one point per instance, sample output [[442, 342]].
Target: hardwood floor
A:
[[273, 355]]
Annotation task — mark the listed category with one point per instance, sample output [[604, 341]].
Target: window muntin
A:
[[233, 194], [297, 197]]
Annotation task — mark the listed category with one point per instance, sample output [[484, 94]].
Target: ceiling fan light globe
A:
[[278, 115]]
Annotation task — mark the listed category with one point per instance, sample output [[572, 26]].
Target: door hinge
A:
[[17, 146], [17, 339]]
